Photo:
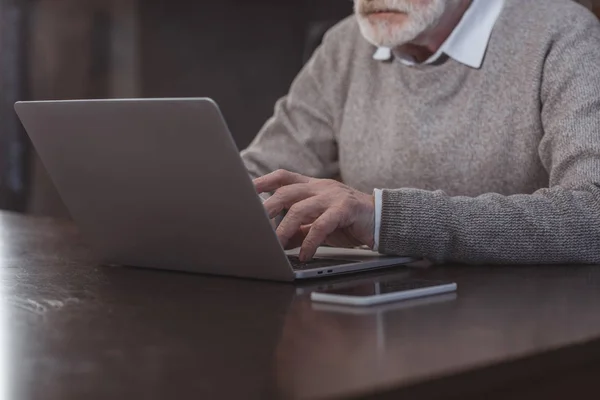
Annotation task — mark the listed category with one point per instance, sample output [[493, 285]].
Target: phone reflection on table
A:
[[325, 347], [382, 308]]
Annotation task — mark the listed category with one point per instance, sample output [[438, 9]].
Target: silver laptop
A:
[[159, 183]]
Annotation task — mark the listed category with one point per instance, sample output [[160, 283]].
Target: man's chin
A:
[[382, 40], [382, 34]]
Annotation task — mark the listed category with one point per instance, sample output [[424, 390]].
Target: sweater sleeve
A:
[[300, 135], [559, 224]]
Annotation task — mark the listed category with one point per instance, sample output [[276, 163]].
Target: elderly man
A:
[[458, 130]]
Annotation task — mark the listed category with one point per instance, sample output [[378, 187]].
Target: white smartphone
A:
[[378, 292]]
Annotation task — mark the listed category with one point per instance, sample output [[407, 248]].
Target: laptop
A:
[[159, 183]]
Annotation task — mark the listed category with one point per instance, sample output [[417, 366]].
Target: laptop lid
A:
[[156, 183]]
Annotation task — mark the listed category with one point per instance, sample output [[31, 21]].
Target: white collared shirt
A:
[[466, 44]]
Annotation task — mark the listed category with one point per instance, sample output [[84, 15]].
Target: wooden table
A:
[[72, 329]]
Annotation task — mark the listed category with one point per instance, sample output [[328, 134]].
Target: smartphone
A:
[[384, 291]]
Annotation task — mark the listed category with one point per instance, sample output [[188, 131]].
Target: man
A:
[[465, 131]]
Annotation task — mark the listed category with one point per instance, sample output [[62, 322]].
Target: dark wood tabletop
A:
[[73, 329]]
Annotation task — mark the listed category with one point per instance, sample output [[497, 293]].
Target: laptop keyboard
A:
[[316, 263]]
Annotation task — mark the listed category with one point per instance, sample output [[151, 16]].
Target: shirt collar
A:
[[468, 42]]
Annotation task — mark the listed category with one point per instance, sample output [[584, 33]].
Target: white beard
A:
[[420, 18]]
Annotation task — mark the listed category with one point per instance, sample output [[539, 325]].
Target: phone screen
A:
[[383, 287]]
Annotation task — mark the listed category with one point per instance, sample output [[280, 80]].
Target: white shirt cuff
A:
[[378, 193]]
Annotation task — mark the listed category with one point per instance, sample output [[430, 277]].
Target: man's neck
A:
[[430, 41]]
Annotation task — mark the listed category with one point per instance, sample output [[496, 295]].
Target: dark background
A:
[[242, 53]]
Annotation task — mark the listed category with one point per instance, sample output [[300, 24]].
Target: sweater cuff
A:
[[415, 223]]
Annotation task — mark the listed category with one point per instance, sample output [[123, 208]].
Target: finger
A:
[[277, 179], [305, 229], [324, 226], [340, 239], [301, 213], [286, 197], [297, 240]]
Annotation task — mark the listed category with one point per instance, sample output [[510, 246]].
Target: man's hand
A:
[[319, 211]]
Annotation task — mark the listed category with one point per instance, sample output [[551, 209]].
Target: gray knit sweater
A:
[[493, 165]]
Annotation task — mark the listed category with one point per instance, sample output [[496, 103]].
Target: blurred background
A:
[[242, 53]]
